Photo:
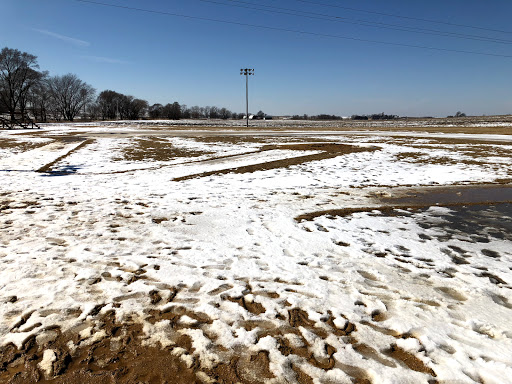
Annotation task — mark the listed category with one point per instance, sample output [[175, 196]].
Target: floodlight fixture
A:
[[247, 72]]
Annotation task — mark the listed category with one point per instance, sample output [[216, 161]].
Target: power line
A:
[[347, 20], [404, 17], [293, 30]]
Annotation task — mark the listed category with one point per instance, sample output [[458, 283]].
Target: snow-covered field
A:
[[466, 122], [212, 235]]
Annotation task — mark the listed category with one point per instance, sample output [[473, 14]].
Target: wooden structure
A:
[[24, 122]]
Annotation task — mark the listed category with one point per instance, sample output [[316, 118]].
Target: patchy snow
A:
[[46, 364], [417, 279]]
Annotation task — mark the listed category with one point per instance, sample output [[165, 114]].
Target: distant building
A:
[[256, 117]]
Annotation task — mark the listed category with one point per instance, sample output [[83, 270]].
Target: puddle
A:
[[460, 195], [416, 198]]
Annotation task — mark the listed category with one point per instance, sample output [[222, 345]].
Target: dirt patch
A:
[[342, 212], [103, 350], [370, 353], [300, 376], [155, 149], [20, 146], [329, 151], [242, 139], [232, 140], [250, 306], [119, 354], [411, 361], [299, 318], [249, 369], [342, 149], [119, 357]]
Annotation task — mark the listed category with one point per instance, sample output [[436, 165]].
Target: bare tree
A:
[[137, 108], [225, 113], [18, 73], [94, 111], [195, 112], [39, 100], [155, 111], [213, 112], [124, 106], [172, 111], [70, 94], [185, 111], [108, 102]]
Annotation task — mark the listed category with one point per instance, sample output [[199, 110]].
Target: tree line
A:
[[25, 91], [375, 116]]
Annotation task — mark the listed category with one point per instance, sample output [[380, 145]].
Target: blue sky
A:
[[163, 58]]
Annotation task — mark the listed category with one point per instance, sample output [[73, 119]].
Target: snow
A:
[[77, 240], [46, 364]]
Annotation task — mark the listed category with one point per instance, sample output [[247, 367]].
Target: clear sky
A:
[[195, 61]]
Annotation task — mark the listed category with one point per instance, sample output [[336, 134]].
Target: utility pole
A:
[[247, 72]]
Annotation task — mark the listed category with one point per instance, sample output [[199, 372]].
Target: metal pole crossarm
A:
[[247, 72]]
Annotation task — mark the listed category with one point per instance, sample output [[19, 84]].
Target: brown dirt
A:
[[123, 356], [250, 306], [155, 149], [411, 361], [329, 151], [249, 369], [299, 318], [19, 146], [233, 140], [241, 139], [371, 353], [300, 376], [341, 212], [118, 358]]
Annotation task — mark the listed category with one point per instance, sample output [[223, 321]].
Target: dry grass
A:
[[232, 140], [242, 139], [155, 149], [329, 151], [19, 146], [466, 153]]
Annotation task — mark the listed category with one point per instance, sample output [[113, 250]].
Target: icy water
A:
[[455, 195], [479, 222]]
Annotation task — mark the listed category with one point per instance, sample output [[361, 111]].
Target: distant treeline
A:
[[111, 105], [375, 116], [317, 117]]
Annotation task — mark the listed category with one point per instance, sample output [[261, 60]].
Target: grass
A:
[[19, 146], [155, 149]]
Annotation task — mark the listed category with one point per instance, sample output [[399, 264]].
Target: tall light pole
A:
[[247, 72]]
